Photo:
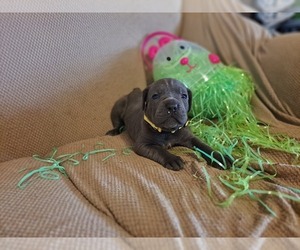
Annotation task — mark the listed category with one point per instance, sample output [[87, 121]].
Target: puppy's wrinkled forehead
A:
[[168, 85]]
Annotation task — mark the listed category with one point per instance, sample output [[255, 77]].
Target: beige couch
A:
[[61, 74]]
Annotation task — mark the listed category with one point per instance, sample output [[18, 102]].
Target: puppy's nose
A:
[[172, 108]]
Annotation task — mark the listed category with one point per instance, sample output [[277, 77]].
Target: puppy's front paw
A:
[[174, 163], [221, 161]]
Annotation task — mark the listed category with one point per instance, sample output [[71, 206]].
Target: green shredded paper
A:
[[54, 168], [222, 117]]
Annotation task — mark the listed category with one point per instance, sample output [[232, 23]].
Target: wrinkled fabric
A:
[[128, 195]]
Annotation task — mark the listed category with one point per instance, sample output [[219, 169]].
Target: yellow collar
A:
[[146, 119]]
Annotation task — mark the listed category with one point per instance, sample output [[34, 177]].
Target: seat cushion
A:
[[118, 193], [62, 72]]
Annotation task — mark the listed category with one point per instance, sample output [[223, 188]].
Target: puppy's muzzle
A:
[[171, 105]]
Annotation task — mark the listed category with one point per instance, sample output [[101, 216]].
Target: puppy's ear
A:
[[145, 96], [190, 98]]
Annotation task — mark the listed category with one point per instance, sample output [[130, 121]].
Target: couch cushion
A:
[[62, 72], [48, 208], [281, 65], [126, 194]]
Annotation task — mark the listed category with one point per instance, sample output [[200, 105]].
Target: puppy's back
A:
[[127, 114], [133, 114]]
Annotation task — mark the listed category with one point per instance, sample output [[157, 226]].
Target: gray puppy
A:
[[156, 120]]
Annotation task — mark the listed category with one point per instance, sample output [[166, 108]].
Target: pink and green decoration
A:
[[221, 113]]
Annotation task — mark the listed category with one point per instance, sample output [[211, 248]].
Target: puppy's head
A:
[[167, 103]]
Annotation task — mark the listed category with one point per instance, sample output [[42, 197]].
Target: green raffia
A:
[[230, 127], [221, 111], [54, 169], [127, 151], [238, 181], [208, 181], [229, 124], [97, 151], [222, 114], [48, 172]]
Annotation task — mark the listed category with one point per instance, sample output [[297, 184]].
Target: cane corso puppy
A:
[[156, 120]]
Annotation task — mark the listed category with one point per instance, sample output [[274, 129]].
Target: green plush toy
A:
[[221, 112]]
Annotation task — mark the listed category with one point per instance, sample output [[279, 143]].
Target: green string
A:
[[127, 151], [97, 151], [49, 172], [238, 181], [54, 170]]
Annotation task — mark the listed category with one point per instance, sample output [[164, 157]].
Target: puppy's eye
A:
[[184, 96], [182, 47], [168, 58], [155, 96]]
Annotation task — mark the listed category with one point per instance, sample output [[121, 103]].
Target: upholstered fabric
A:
[[48, 208], [61, 73], [149, 243], [128, 195], [92, 6]]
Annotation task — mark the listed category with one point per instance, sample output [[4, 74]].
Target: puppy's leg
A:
[[211, 156], [117, 115], [160, 155]]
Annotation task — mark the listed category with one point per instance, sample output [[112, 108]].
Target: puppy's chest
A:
[[167, 141], [168, 145]]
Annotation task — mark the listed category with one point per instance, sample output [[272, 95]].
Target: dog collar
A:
[[146, 119]]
